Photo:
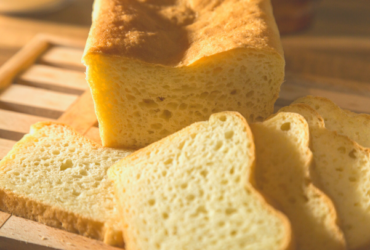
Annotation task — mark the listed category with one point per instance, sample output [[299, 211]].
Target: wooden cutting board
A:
[[46, 81]]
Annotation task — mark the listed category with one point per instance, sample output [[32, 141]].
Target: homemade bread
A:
[[192, 190], [57, 177], [342, 171], [155, 67], [355, 126], [283, 159]]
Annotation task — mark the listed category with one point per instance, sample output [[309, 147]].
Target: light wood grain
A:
[[328, 64], [3, 218], [5, 147], [63, 57], [27, 231], [328, 83], [81, 116], [14, 125], [327, 42], [35, 101], [52, 78], [22, 60]]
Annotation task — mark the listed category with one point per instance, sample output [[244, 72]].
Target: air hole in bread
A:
[[190, 197], [66, 164], [151, 202], [218, 145], [165, 216], [285, 126], [352, 179], [259, 119], [222, 118], [229, 134], [342, 150], [352, 154], [230, 211], [166, 114]]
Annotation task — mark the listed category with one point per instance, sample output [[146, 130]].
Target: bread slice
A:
[[282, 174], [155, 67], [57, 177], [192, 190], [355, 126], [342, 170]]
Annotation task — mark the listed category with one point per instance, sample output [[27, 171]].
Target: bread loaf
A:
[[355, 126], [192, 190], [155, 67], [283, 159], [342, 171], [57, 177]]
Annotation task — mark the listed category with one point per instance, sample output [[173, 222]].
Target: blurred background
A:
[[72, 18], [326, 42]]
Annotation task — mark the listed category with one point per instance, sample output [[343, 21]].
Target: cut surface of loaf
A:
[[155, 68], [57, 177], [355, 126], [192, 190], [282, 174], [342, 171]]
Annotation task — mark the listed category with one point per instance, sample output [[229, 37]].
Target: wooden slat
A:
[[328, 83], [62, 80], [26, 231], [340, 43], [22, 60], [335, 64], [3, 218], [63, 57], [348, 101], [35, 101], [93, 134], [81, 116], [5, 147], [14, 125]]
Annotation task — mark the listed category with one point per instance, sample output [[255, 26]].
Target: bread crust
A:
[[179, 33]]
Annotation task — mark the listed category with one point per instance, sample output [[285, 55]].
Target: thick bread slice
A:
[[283, 159], [192, 190], [155, 67], [342, 171], [355, 126], [57, 177]]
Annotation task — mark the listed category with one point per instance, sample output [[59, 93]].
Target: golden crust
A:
[[179, 33]]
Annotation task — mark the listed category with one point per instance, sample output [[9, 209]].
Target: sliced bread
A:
[[57, 177], [342, 171], [282, 174], [355, 126], [155, 67], [192, 190]]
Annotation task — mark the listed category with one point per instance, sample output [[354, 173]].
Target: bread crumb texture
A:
[[191, 190], [283, 159], [342, 172], [155, 68], [57, 177]]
